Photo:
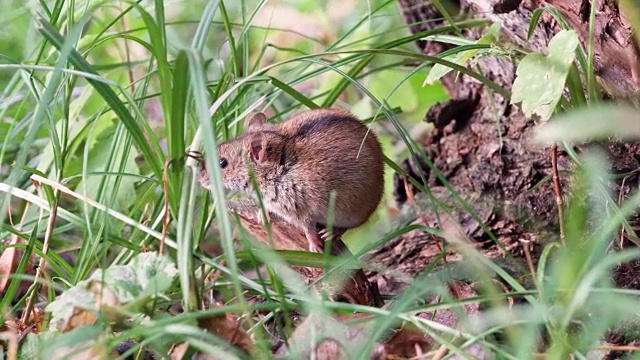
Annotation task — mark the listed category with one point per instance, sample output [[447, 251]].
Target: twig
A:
[[558, 190], [527, 255], [620, 195], [45, 250], [127, 53], [165, 184], [440, 353], [167, 212], [11, 336], [411, 198], [619, 348]]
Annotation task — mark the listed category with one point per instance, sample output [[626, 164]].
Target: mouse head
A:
[[260, 149]]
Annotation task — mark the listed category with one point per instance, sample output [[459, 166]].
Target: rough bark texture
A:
[[481, 142]]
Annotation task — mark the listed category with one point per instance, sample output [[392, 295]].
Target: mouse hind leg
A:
[[316, 243]]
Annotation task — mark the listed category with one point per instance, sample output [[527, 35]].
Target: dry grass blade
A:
[[125, 219]]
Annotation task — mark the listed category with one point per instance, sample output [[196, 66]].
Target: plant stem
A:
[[558, 190]]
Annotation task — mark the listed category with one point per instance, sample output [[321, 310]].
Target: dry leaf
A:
[[179, 351], [229, 328]]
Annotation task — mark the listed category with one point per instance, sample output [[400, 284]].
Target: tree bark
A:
[[480, 141]]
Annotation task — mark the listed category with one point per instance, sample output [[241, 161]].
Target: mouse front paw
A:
[[327, 235], [245, 207], [260, 215], [250, 209]]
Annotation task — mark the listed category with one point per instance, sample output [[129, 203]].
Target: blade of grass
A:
[[153, 156], [176, 123], [294, 93], [363, 63], [200, 95], [204, 24]]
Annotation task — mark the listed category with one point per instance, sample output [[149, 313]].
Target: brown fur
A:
[[299, 162]]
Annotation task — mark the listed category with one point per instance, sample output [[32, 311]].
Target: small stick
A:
[[167, 212], [411, 198], [45, 250], [11, 334], [558, 190], [620, 196], [165, 184], [619, 348], [527, 255]]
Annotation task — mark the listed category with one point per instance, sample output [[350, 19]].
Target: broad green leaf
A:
[[462, 57], [540, 78], [154, 272], [33, 343], [146, 276], [65, 306], [80, 343], [122, 280]]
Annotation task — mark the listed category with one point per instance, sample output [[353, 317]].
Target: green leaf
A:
[[146, 276], [535, 18], [461, 58], [408, 94], [65, 306], [541, 78], [158, 49], [154, 272], [80, 343], [12, 290], [32, 345], [176, 123]]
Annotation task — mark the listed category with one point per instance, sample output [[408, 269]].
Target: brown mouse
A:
[[298, 163]]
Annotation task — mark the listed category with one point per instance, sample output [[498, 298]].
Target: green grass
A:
[[98, 96]]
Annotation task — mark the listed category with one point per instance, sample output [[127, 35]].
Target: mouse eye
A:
[[223, 163]]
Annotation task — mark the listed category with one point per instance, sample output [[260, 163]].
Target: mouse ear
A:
[[258, 149], [256, 120]]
